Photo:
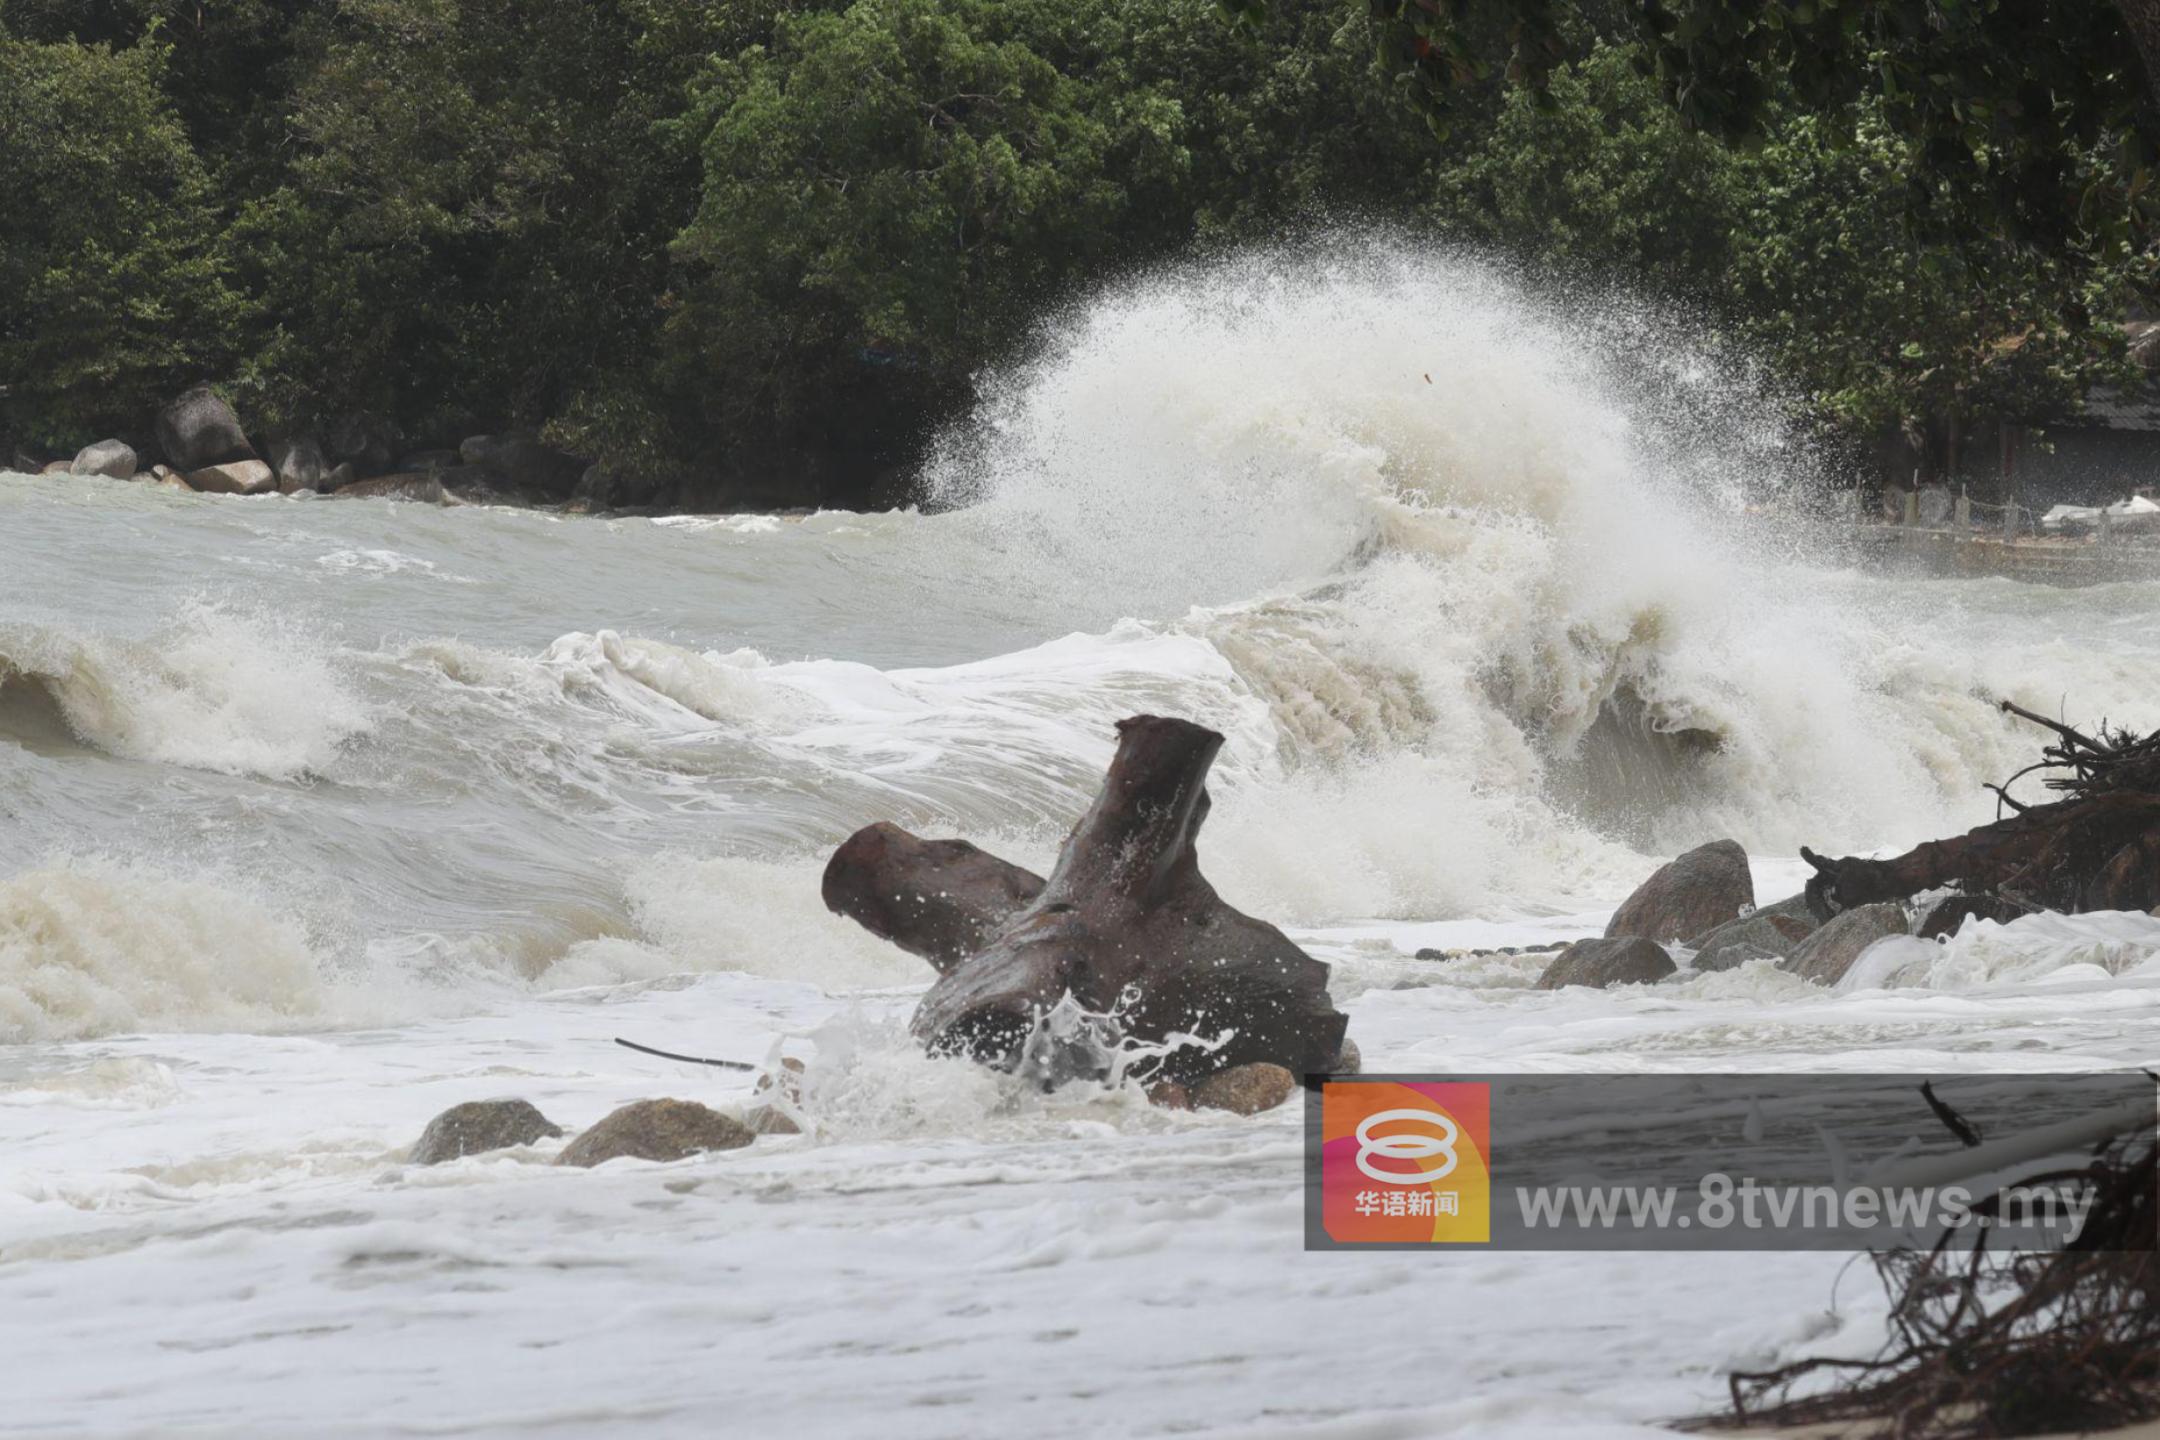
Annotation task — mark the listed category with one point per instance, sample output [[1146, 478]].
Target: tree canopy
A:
[[699, 239]]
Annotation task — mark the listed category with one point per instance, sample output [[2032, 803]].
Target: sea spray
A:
[[212, 689], [1485, 600]]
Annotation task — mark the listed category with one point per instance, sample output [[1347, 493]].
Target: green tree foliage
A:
[[1805, 246], [112, 291], [696, 236], [472, 224], [895, 190], [2043, 119]]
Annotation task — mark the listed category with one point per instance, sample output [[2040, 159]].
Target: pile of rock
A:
[[644, 1129], [198, 443], [1704, 903]]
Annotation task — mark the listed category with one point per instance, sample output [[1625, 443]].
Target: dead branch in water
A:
[[1985, 1345]]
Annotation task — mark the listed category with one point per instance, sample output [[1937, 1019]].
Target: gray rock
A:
[[429, 460], [1245, 1089], [476, 485], [57, 467], [300, 464], [341, 475], [770, 1120], [235, 477], [1826, 955], [1732, 957], [1349, 1060], [425, 489], [523, 463], [1690, 896], [479, 1126], [1949, 915], [114, 459], [610, 487], [367, 442], [656, 1130], [199, 430], [1611, 960], [1749, 938], [1793, 907]]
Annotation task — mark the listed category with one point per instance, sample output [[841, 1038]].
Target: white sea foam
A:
[[211, 689], [89, 947], [1483, 645]]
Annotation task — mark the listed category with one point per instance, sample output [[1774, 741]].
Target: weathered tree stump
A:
[[1125, 923]]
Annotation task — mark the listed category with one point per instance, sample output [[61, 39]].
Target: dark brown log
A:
[[2048, 857], [2131, 880], [1125, 923], [940, 899]]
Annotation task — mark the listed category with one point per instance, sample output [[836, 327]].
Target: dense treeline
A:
[[765, 246]]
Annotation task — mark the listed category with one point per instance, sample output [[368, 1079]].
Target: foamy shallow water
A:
[[319, 817], [217, 1230]]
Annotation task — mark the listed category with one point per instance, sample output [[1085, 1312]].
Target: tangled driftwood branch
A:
[[1987, 1345], [2096, 849]]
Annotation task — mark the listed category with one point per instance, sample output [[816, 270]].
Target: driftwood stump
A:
[[1125, 923]]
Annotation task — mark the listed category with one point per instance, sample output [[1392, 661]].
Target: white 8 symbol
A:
[[1406, 1147]]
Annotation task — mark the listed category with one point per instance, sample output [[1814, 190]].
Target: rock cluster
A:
[[1704, 902], [198, 443]]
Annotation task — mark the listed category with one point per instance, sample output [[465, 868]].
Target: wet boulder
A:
[[1793, 907], [1608, 961], [1696, 893], [198, 430], [235, 477], [1826, 955], [299, 464], [770, 1120], [479, 1126], [475, 485], [1948, 916], [603, 486], [656, 1130], [113, 459], [427, 461], [368, 443], [1751, 937], [521, 462], [425, 489], [1244, 1089]]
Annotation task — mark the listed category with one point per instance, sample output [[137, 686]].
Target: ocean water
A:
[[317, 817]]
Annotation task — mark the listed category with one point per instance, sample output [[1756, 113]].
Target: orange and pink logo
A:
[[1406, 1162]]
